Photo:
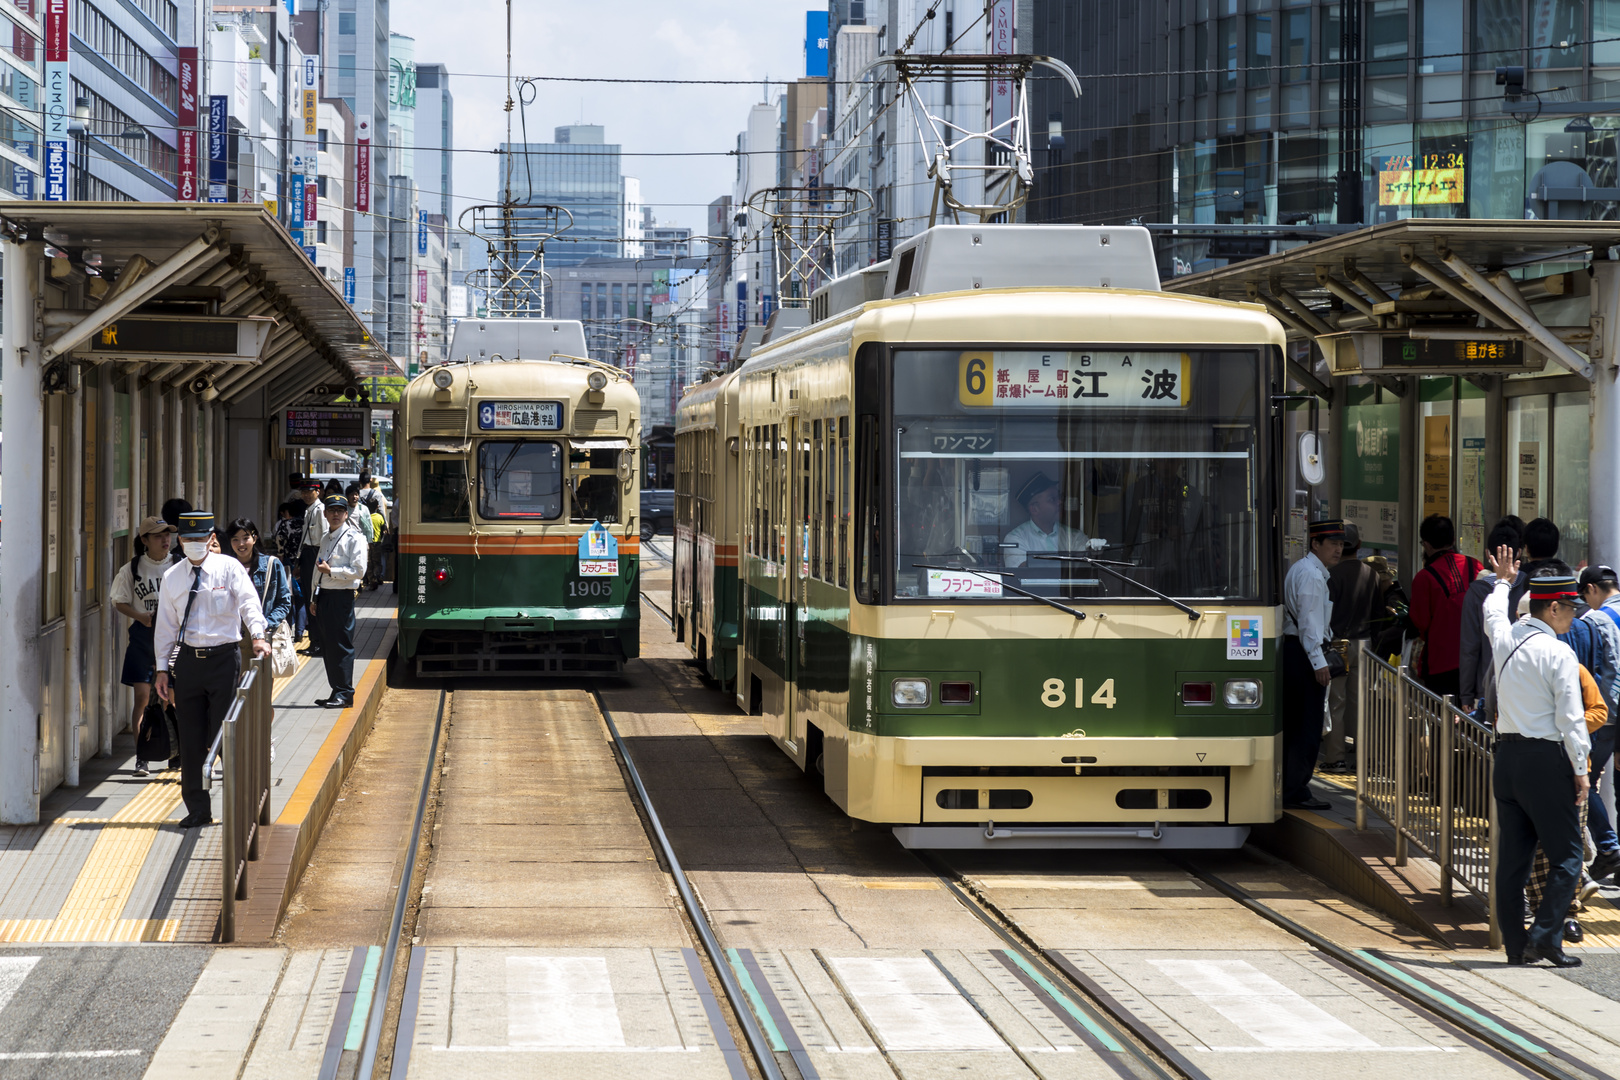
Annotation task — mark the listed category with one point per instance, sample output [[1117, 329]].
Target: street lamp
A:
[[79, 128]]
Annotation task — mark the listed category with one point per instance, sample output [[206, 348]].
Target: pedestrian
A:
[[359, 512], [1596, 718], [203, 604], [295, 487], [340, 567], [269, 577], [1307, 615], [1598, 585], [1541, 540], [1476, 684], [309, 546], [170, 512], [1357, 605], [1437, 602], [1540, 772], [289, 542], [135, 594]]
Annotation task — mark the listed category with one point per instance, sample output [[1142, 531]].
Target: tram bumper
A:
[[1070, 782]]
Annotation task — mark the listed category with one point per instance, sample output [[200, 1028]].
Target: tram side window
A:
[[444, 490], [519, 480], [595, 494], [843, 495], [813, 506]]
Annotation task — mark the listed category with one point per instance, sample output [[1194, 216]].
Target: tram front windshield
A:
[[1077, 473]]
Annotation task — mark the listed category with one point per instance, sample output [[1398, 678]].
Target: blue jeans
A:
[[1604, 837]]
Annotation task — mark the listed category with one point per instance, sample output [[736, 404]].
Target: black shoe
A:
[[338, 702], [1605, 864], [174, 763], [192, 821], [1309, 804], [1515, 959], [1573, 932], [323, 701], [1558, 958], [1331, 767]]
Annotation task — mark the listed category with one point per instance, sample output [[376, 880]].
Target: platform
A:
[[108, 862]]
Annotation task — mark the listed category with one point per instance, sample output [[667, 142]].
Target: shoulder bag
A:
[[283, 658]]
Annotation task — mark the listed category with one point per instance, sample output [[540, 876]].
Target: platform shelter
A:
[[148, 349], [1460, 367]]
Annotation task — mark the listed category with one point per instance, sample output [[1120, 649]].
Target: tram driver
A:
[[1042, 499]]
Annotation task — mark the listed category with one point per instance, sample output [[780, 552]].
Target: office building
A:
[[355, 60], [435, 136], [579, 172]]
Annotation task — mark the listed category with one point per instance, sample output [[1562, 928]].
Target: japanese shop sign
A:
[[1075, 378], [58, 100], [218, 165], [186, 136], [1429, 180]]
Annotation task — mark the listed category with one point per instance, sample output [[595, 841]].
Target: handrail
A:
[[243, 748]]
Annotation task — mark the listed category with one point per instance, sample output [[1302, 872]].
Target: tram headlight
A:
[[910, 693], [1242, 693], [596, 380], [443, 377]]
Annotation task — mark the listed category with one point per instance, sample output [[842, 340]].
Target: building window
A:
[[346, 65], [618, 300], [320, 186], [585, 301], [346, 22], [320, 140], [320, 232]]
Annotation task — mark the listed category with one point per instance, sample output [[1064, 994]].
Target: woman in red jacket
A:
[[1437, 601]]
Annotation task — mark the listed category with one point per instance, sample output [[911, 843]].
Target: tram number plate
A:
[[962, 583], [520, 416], [1055, 694], [591, 590]]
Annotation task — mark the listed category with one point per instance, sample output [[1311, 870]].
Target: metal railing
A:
[[1424, 766], [243, 748]]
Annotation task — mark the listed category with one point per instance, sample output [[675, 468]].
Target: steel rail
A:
[[1498, 1035], [385, 988], [764, 1057]]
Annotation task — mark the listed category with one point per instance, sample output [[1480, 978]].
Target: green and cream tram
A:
[[1003, 517], [517, 492]]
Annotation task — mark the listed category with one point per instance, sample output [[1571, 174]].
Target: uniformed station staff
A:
[[1540, 772], [1306, 613], [203, 603], [340, 567], [1042, 499]]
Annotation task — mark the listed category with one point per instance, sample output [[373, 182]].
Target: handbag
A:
[[1337, 655], [152, 742], [283, 657]]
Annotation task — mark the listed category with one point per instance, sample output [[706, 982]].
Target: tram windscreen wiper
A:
[[999, 574], [1107, 567]]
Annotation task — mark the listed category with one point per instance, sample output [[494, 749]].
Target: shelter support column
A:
[[22, 565], [73, 455], [1604, 461]]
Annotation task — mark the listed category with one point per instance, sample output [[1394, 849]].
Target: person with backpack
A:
[[135, 594], [1437, 603], [1600, 591]]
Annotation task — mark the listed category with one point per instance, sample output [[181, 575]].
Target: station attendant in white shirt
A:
[[1540, 772], [314, 531], [340, 567], [1307, 612], [1042, 499], [203, 604]]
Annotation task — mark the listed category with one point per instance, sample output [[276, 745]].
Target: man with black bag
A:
[[202, 606], [1307, 612]]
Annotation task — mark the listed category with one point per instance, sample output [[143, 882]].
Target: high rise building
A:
[[355, 59], [435, 135], [579, 172]]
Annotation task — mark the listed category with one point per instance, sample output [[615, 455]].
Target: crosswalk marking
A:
[[913, 1006], [557, 1001], [1261, 1007], [13, 970]]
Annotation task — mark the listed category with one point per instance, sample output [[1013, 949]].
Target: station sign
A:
[[1394, 353], [171, 337], [330, 428]]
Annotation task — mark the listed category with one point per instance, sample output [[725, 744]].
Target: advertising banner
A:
[[218, 162], [295, 203], [311, 198], [1001, 44], [186, 134], [362, 168], [58, 100], [815, 44], [421, 286], [421, 234], [348, 285], [1370, 480]]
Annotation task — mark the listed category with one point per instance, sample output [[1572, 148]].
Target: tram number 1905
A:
[[585, 589], [1055, 694]]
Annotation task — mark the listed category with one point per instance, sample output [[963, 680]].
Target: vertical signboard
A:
[[1529, 485], [362, 168], [295, 202], [421, 286], [742, 308], [421, 233], [1001, 44], [310, 69], [186, 135], [58, 100], [815, 44], [218, 161], [311, 198], [348, 285], [1371, 472]]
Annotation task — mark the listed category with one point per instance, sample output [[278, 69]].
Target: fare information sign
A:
[[338, 429], [520, 416], [1074, 378]]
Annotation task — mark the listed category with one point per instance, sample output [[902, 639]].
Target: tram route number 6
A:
[[1055, 695]]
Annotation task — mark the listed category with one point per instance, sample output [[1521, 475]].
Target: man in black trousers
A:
[[314, 530], [340, 567], [1307, 613], [203, 603]]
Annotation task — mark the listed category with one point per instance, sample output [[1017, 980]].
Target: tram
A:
[[1002, 518], [517, 494]]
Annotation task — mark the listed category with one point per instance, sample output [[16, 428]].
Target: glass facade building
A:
[[581, 173]]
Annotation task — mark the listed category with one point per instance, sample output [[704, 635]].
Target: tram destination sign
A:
[[335, 429], [520, 416], [1397, 354], [170, 337]]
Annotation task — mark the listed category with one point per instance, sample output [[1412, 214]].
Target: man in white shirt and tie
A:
[[340, 567], [314, 530], [1307, 612], [203, 603], [1542, 746]]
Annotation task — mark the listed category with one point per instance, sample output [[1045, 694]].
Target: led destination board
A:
[[338, 429]]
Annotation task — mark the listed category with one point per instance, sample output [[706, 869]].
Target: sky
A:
[[694, 39]]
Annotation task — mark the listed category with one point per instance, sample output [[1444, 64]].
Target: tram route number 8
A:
[[1055, 694], [599, 589]]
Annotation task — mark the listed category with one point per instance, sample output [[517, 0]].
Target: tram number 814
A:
[[1055, 695]]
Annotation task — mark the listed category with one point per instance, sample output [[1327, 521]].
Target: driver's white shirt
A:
[[1029, 538]]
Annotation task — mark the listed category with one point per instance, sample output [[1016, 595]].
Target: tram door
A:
[[796, 509]]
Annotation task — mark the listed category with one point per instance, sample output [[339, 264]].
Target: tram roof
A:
[[245, 245]]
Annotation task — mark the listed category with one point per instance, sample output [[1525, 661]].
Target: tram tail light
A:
[[956, 693], [441, 574], [910, 693], [1242, 693], [1198, 693]]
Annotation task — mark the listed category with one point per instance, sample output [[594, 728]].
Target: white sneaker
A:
[[140, 768]]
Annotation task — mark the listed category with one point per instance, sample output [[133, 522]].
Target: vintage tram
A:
[[516, 485], [1002, 519]]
